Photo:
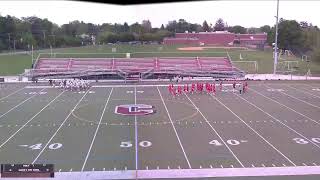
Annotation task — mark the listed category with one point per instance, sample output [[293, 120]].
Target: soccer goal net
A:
[[247, 66], [287, 66]]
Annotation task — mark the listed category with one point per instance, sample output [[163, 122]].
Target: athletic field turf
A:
[[274, 124]]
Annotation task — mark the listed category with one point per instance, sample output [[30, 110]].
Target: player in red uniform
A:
[[179, 90], [201, 87], [172, 89], [193, 88], [213, 88], [186, 88], [208, 88], [245, 86]]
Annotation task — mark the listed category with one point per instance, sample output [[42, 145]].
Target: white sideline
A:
[[140, 85], [190, 173]]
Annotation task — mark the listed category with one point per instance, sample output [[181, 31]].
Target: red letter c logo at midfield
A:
[[134, 109]]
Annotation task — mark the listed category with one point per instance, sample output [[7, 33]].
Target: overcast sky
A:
[[244, 13]]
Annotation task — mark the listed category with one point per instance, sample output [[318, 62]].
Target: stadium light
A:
[[276, 42]]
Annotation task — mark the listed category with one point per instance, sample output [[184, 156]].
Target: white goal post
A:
[[289, 65], [252, 63], [304, 58]]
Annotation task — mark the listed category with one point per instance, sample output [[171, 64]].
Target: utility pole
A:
[[276, 42], [54, 39], [14, 45], [44, 37], [9, 41]]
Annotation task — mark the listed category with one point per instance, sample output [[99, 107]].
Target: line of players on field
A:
[[72, 85], [200, 87]]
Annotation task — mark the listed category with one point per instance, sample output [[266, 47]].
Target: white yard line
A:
[[281, 122], [315, 121], [305, 92], [297, 98], [270, 144], [215, 131], [30, 120], [11, 94], [165, 106], [19, 104], [44, 148], [96, 132], [136, 129]]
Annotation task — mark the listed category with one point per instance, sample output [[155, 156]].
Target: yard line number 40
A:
[[52, 146], [303, 141]]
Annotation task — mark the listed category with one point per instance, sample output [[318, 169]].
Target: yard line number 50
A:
[[127, 144]]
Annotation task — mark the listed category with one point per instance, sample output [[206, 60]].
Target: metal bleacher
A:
[[126, 68]]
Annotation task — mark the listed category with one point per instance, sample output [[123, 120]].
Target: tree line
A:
[[21, 34]]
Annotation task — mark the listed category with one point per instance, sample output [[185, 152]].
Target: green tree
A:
[[265, 28], [237, 29], [220, 25], [205, 27], [126, 27]]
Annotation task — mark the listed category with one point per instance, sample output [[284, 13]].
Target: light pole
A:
[[276, 42]]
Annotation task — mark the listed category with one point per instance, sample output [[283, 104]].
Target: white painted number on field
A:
[[130, 92], [215, 142], [127, 144], [300, 141], [55, 146], [233, 142], [140, 91], [275, 90], [33, 93], [39, 146], [82, 92], [35, 146], [145, 143], [303, 141], [316, 89], [230, 142], [316, 140]]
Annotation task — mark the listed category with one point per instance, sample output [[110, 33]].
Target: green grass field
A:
[[15, 64], [84, 131]]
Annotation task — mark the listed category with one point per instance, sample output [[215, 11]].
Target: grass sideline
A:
[[14, 64]]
